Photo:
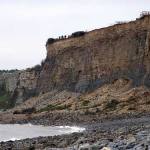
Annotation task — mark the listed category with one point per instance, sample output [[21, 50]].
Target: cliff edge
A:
[[98, 57], [84, 63]]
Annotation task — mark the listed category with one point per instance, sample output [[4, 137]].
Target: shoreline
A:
[[108, 130]]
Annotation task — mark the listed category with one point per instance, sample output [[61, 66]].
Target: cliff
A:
[[98, 57], [17, 87], [82, 64]]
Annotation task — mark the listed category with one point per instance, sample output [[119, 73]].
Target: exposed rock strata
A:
[[84, 63], [99, 57], [20, 85]]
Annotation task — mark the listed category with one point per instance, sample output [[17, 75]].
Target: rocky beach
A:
[[106, 134]]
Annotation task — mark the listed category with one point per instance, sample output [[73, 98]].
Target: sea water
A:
[[18, 131]]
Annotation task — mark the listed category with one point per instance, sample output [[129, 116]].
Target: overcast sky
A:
[[25, 25]]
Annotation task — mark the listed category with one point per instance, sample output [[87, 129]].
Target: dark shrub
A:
[[78, 33], [25, 111], [17, 112], [112, 104], [50, 41], [32, 148], [85, 103], [37, 68], [29, 110]]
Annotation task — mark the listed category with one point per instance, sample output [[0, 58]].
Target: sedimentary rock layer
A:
[[99, 57], [83, 63]]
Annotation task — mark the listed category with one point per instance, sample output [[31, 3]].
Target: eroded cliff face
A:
[[100, 56], [19, 85], [81, 64]]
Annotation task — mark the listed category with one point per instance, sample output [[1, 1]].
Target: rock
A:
[[95, 147], [21, 84], [84, 146], [148, 138], [131, 139], [131, 145], [106, 148]]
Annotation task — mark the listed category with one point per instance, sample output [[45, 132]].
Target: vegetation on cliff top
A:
[[73, 35], [8, 71]]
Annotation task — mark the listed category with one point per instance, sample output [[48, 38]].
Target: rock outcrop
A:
[[20, 85], [84, 63], [98, 57]]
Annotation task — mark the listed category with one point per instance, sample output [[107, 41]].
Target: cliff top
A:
[[140, 22], [102, 34]]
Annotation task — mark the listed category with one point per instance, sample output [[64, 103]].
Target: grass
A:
[[85, 103], [52, 107], [112, 104], [5, 100]]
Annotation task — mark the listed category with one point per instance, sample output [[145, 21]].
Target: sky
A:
[[25, 25]]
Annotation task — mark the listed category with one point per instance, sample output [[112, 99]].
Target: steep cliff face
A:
[[80, 64], [99, 57], [27, 85], [19, 85]]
